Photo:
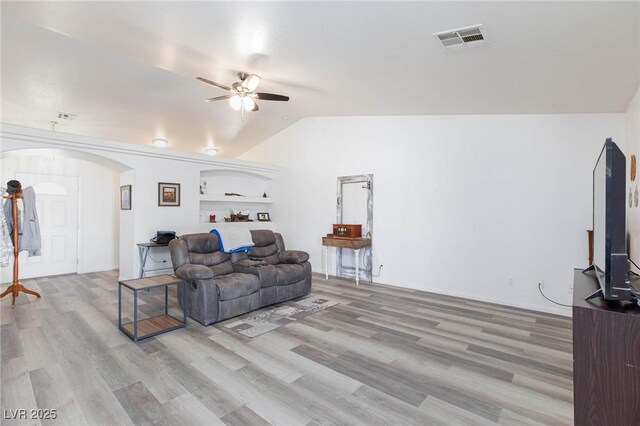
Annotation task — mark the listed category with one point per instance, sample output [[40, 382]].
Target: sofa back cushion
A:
[[204, 250], [201, 243], [265, 247]]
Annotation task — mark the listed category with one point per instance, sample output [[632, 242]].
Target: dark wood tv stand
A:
[[606, 357]]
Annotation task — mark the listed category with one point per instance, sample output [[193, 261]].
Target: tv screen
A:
[[609, 224]]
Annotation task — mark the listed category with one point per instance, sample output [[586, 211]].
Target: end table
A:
[[149, 327]]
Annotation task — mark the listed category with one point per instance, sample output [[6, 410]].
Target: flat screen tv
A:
[[610, 261]]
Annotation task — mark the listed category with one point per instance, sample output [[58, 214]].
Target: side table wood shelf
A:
[[149, 327], [356, 244]]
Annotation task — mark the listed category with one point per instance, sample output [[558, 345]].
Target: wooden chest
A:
[[347, 231]]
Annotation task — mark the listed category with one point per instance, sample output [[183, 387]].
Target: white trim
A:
[[87, 143], [102, 269]]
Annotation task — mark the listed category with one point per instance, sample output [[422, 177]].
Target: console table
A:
[[356, 244], [606, 357], [143, 252]]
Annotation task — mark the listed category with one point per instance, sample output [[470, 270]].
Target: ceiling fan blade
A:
[[213, 83], [219, 98], [271, 97]]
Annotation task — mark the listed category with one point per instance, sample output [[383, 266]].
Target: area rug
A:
[[281, 315]]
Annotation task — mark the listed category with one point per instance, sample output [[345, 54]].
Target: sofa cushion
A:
[[234, 285], [201, 243], [287, 274], [263, 251], [262, 237], [208, 259], [223, 268]]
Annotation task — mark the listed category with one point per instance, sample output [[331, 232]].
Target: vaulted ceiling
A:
[[127, 69]]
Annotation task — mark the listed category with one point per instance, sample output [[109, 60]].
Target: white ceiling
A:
[[127, 69]]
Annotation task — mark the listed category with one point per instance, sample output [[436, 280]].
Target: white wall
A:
[[142, 167], [633, 147], [98, 218], [461, 203]]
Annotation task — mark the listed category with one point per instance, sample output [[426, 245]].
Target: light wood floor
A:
[[381, 356]]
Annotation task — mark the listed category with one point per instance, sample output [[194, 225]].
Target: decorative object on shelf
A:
[[264, 195], [635, 195], [630, 197], [633, 168], [347, 231], [233, 194], [212, 218], [125, 197], [240, 216], [203, 187], [264, 217], [168, 194]]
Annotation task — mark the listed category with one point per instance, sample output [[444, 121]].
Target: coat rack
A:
[[16, 287]]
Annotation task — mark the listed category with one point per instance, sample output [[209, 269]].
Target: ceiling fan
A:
[[242, 94]]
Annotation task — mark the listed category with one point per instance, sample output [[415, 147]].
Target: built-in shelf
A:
[[208, 226], [234, 199], [215, 183]]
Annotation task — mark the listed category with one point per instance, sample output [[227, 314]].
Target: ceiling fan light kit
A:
[[236, 102]]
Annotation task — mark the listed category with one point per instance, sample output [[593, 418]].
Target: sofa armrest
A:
[[293, 256], [194, 272]]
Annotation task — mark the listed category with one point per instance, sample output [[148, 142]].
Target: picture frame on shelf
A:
[[263, 217], [203, 187], [125, 197], [168, 194]]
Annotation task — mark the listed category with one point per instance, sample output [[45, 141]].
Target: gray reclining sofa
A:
[[221, 285]]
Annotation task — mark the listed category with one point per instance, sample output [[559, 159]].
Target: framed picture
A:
[[168, 194], [203, 187], [264, 217], [125, 197]]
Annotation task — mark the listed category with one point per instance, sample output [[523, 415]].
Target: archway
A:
[[93, 210]]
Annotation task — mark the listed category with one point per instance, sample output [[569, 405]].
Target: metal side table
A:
[[149, 327]]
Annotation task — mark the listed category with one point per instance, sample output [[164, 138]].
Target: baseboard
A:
[[100, 269], [565, 312]]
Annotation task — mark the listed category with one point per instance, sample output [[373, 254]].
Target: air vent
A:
[[66, 116], [463, 38]]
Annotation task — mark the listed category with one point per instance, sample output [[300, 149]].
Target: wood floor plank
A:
[[244, 416], [140, 404], [383, 355]]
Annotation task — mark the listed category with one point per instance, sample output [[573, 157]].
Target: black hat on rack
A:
[[13, 186]]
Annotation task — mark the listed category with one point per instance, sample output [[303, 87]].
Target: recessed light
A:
[[211, 151], [160, 143], [285, 117]]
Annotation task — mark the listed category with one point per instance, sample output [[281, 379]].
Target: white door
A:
[[57, 205]]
